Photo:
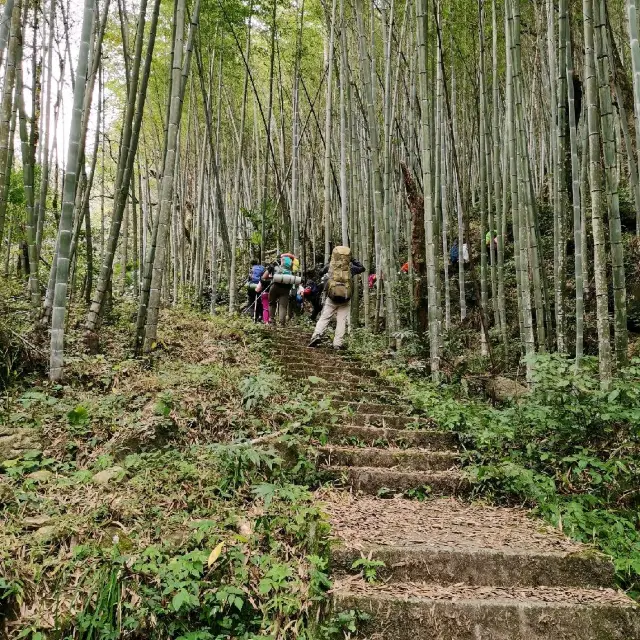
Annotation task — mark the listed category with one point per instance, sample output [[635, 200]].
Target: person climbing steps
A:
[[341, 270]]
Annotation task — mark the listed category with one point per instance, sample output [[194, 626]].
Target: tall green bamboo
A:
[[5, 23], [434, 340], [597, 208], [485, 189], [331, 20], [180, 73], [136, 98], [530, 228], [27, 174], [6, 109], [498, 191], [69, 191], [561, 199], [517, 207], [632, 19], [576, 197], [608, 129]]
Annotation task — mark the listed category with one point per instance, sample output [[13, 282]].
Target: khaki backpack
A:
[[339, 284]]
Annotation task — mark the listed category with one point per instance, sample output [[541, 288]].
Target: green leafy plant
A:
[[258, 388], [369, 568], [567, 448], [343, 625]]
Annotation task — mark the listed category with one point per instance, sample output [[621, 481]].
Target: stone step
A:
[[330, 371], [313, 355], [374, 481], [480, 566], [409, 459], [392, 400], [336, 383], [448, 541], [322, 369], [381, 420], [370, 407], [403, 438], [414, 611]]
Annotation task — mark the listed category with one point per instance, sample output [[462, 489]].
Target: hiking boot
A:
[[315, 341], [339, 347]]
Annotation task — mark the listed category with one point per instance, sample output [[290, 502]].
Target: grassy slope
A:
[[198, 534]]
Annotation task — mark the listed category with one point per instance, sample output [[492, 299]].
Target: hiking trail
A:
[[453, 570]]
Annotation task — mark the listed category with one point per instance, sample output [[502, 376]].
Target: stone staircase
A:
[[453, 570]]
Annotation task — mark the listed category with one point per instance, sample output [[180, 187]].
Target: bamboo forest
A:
[[191, 191]]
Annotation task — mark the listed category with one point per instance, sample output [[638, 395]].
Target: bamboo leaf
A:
[[215, 554]]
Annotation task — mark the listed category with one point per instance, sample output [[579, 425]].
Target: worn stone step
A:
[[321, 369], [371, 407], [481, 567], [407, 459], [374, 481], [301, 343], [382, 420], [382, 436], [305, 352], [449, 541], [391, 399], [414, 611], [313, 355], [336, 385], [341, 374]]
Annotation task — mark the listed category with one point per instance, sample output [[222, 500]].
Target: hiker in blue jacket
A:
[[454, 253], [254, 303]]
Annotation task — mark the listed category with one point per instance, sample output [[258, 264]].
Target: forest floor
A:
[[169, 496], [144, 484]]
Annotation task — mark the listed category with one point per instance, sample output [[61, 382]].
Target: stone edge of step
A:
[[481, 566]]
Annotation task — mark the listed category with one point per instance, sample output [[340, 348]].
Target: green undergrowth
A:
[[170, 497], [567, 448]]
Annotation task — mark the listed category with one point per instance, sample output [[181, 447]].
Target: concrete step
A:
[[400, 459], [382, 436], [481, 567], [373, 481], [414, 611]]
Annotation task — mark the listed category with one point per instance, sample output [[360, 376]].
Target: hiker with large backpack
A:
[[339, 287], [284, 275]]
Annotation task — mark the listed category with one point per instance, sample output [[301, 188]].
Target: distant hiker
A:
[[253, 298], [404, 268], [454, 253], [487, 241], [341, 270], [283, 276]]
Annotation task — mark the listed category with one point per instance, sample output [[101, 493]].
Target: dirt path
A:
[[453, 570]]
